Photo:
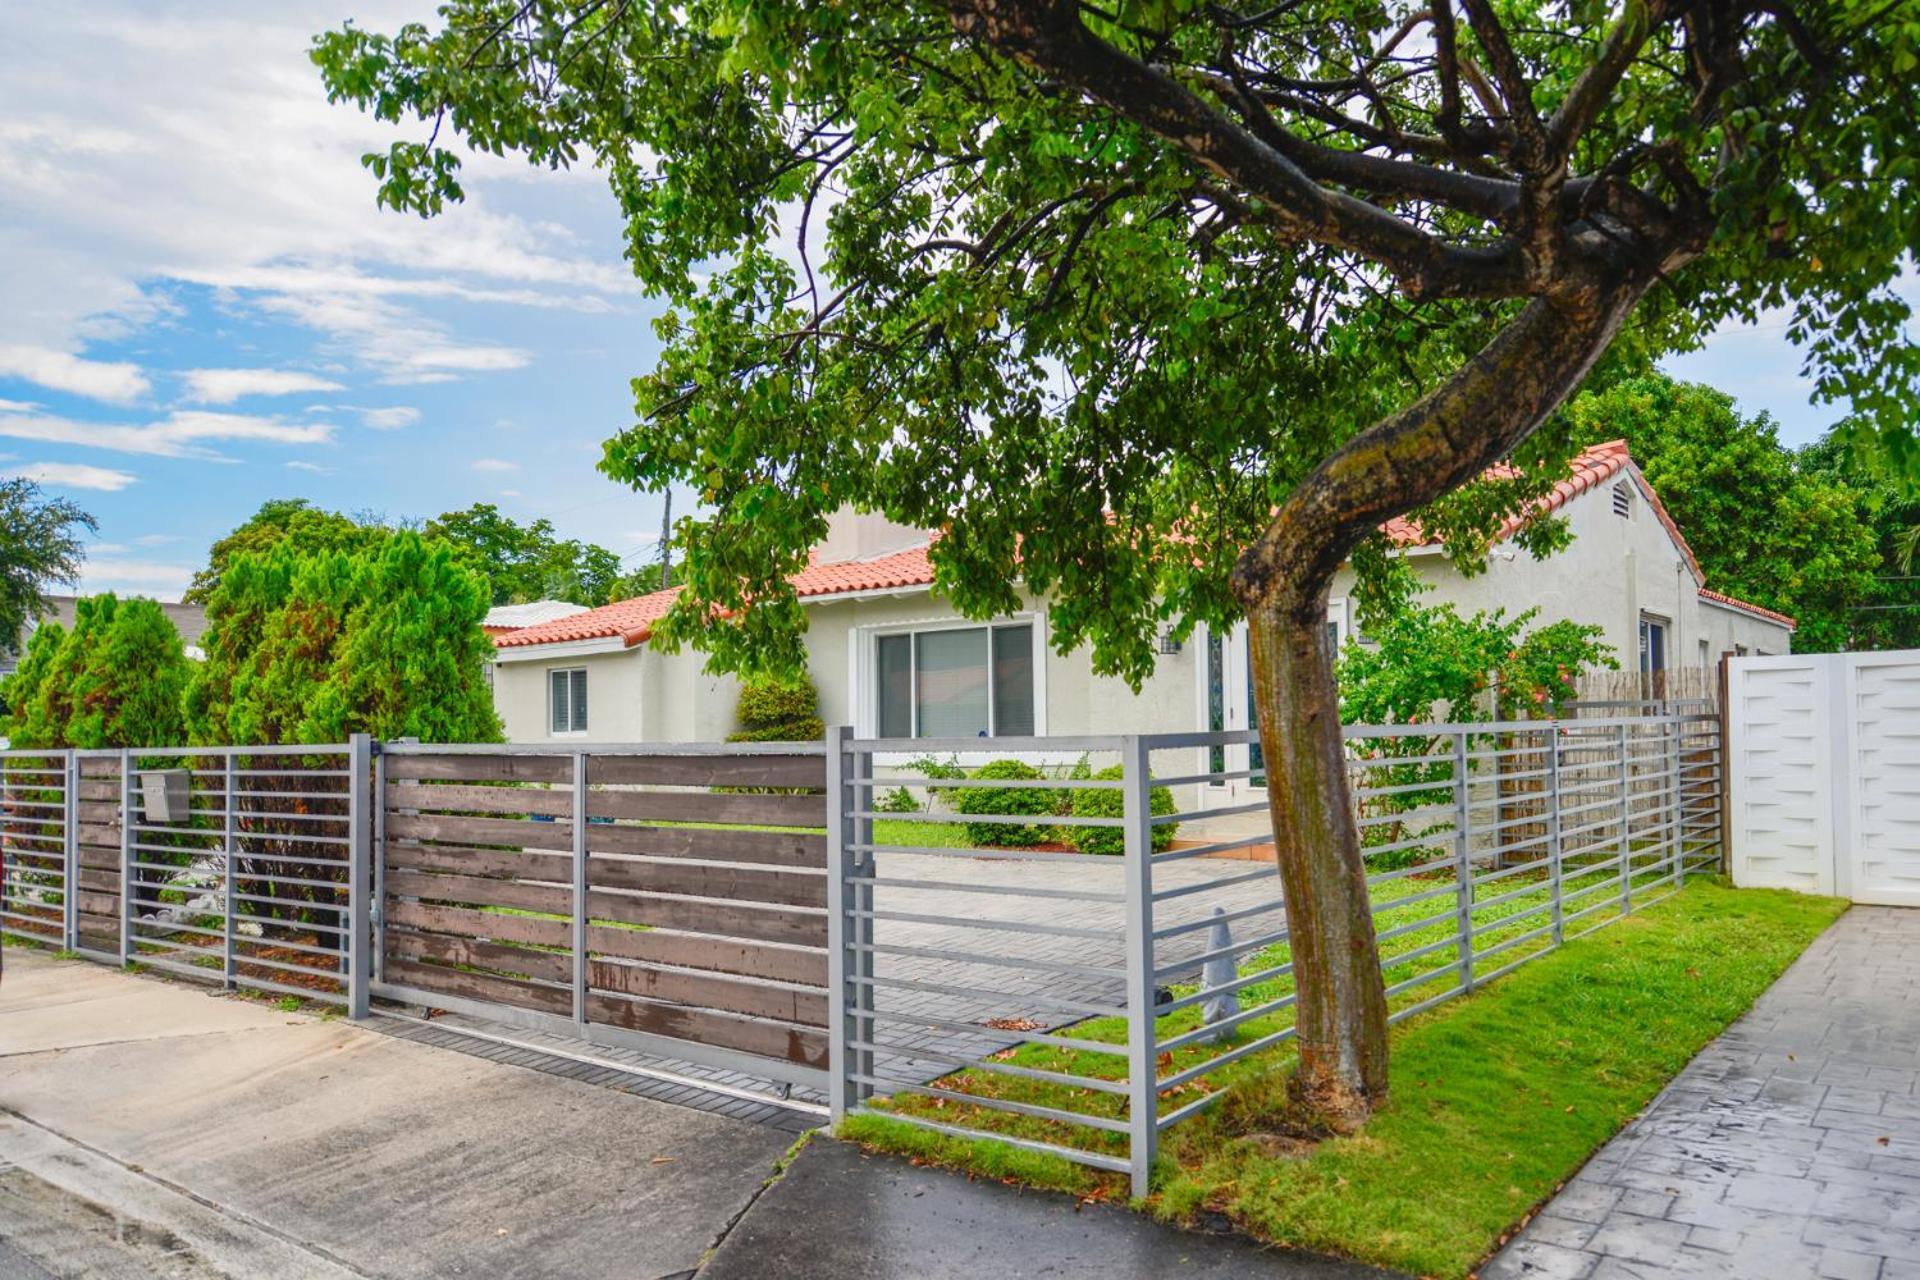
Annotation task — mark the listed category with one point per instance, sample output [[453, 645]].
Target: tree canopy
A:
[[1764, 527], [114, 680], [312, 646], [1161, 309], [40, 547], [527, 562]]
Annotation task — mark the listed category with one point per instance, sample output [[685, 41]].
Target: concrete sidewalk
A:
[[843, 1213], [1788, 1149], [265, 1143]]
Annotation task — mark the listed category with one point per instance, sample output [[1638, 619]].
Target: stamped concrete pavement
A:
[[1789, 1149]]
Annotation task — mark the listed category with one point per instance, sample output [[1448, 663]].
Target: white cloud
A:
[[145, 577], [224, 386], [104, 99], [156, 539], [107, 549], [391, 418], [76, 475], [112, 381], [314, 468], [18, 406], [184, 433], [494, 464]]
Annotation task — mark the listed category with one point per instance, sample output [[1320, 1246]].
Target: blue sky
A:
[[201, 309]]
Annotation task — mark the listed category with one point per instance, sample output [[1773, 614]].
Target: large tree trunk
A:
[[1282, 581]]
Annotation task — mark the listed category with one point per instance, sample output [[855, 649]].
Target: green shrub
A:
[[1011, 801], [772, 710], [1102, 802], [898, 800]]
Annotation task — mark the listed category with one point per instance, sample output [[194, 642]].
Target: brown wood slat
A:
[[470, 923], [550, 965], [558, 804], [719, 955], [100, 904], [767, 1039], [99, 833], [99, 881], [481, 862], [712, 771], [99, 813], [480, 986], [709, 806], [100, 857], [724, 919], [492, 893], [451, 830], [729, 995], [715, 844], [99, 766], [459, 768], [787, 889]]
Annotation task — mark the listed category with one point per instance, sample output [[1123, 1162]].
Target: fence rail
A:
[[1072, 960], [996, 985]]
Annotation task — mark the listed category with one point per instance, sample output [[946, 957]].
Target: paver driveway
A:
[[1789, 1148]]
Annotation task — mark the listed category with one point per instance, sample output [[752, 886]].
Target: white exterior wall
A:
[[633, 695]]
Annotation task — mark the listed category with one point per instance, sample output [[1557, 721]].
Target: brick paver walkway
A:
[[1789, 1148]]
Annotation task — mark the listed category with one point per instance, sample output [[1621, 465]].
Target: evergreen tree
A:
[[114, 680]]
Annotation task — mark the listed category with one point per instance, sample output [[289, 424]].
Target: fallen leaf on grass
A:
[[1013, 1024]]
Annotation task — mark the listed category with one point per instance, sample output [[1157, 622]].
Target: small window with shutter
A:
[[567, 700]]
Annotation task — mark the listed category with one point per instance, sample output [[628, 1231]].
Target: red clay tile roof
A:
[[1745, 607], [632, 620]]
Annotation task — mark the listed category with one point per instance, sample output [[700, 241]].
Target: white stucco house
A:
[[894, 660]]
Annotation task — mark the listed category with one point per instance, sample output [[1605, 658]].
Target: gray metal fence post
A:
[[70, 853], [360, 857], [866, 867], [580, 890], [1626, 823], [377, 909], [1556, 872], [126, 856], [843, 1096], [1677, 811], [1143, 1085], [229, 826], [1462, 862]]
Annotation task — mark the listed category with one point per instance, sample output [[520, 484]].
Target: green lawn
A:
[[1497, 1097]]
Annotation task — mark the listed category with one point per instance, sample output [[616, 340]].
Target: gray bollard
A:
[[1218, 972]]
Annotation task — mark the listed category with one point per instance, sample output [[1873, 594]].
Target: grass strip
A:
[[1497, 1099]]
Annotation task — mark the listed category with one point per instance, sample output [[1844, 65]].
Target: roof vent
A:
[[1623, 501]]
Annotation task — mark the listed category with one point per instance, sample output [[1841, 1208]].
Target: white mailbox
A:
[[163, 795]]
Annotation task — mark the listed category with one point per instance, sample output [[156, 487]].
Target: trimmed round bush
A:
[[1011, 801], [778, 711], [1104, 802]]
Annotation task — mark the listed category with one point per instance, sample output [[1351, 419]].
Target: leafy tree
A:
[[1888, 615], [527, 562], [1429, 663], [308, 648], [114, 680], [39, 547], [20, 693], [1161, 310], [1762, 527], [292, 521]]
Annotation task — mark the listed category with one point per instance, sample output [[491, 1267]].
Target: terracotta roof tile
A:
[[1759, 611], [631, 620]]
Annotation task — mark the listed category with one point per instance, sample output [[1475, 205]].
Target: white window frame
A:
[[866, 663], [1643, 636], [586, 686]]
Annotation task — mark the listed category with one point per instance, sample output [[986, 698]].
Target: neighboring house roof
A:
[[512, 617], [1729, 602], [190, 620], [632, 620]]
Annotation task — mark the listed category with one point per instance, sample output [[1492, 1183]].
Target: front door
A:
[[1227, 704]]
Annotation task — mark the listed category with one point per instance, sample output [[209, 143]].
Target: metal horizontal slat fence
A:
[[1074, 959]]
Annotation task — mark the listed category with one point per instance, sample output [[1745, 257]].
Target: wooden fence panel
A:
[[705, 906]]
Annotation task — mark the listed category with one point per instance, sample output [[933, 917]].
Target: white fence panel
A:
[[1882, 777], [1780, 773], [1824, 774]]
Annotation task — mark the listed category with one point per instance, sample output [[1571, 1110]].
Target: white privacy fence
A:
[[1074, 962], [1824, 778]]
